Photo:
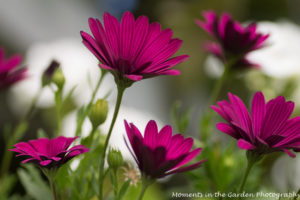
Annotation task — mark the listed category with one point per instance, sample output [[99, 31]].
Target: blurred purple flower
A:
[[9, 71], [133, 49], [266, 130], [233, 40], [159, 154], [49, 153]]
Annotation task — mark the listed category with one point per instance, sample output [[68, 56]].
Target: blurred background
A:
[[46, 30]]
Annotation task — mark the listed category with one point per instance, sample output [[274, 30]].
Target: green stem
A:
[[208, 117], [248, 169], [121, 90], [58, 112], [33, 104], [145, 184], [88, 108], [53, 188], [218, 86], [252, 158], [91, 137], [115, 185]]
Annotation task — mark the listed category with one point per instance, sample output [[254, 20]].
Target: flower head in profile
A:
[[49, 153], [269, 128], [132, 49], [10, 72], [233, 41], [159, 153]]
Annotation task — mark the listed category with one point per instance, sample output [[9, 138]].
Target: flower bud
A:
[[48, 73], [59, 78], [114, 159], [98, 113]]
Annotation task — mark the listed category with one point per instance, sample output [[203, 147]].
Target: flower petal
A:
[[243, 144]]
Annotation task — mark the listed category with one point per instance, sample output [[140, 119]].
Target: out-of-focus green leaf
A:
[[124, 189], [181, 119], [41, 133], [67, 102], [152, 192], [33, 183], [6, 184], [7, 130]]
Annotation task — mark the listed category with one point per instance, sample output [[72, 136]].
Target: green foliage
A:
[[33, 183], [180, 119]]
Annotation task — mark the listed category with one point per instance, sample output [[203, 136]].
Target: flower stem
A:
[[91, 137], [252, 158], [145, 184], [121, 90], [218, 86], [248, 169], [33, 105], [88, 108], [207, 118], [53, 188], [116, 187]]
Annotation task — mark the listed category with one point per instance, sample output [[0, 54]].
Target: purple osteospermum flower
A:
[[233, 40], [266, 130], [9, 71], [49, 153], [159, 154], [133, 49]]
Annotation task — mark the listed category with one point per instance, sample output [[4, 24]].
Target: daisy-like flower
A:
[[132, 49], [10, 72], [131, 173], [233, 40], [49, 153], [159, 153], [268, 128]]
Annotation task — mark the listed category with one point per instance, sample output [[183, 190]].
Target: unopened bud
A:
[[114, 159], [48, 73], [59, 78], [98, 113]]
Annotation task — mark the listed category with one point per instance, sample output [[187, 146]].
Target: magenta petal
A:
[[158, 153], [56, 158], [134, 77], [171, 72], [44, 151], [165, 136], [151, 133], [225, 128], [241, 113], [106, 67], [243, 144], [289, 153], [277, 113], [45, 162], [187, 168], [233, 39], [191, 155], [258, 112], [133, 49], [28, 160]]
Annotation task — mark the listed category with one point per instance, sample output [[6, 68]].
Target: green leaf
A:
[[20, 130], [41, 133], [7, 130], [68, 96], [181, 119], [124, 189], [33, 183], [6, 185]]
